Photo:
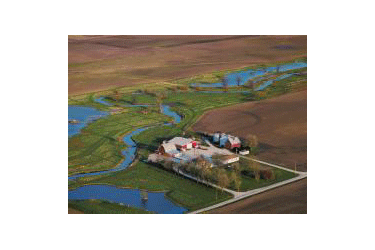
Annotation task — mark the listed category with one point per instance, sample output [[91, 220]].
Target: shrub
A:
[[267, 174]]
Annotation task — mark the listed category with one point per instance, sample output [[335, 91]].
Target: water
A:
[[269, 82], [245, 76], [156, 201], [84, 115], [167, 111]]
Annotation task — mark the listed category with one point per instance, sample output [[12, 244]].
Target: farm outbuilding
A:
[[227, 159], [229, 141], [233, 142], [168, 149], [183, 143]]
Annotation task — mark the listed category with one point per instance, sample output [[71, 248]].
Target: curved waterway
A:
[[84, 115], [156, 202], [245, 76]]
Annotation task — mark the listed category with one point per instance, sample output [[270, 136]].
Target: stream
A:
[[156, 202]]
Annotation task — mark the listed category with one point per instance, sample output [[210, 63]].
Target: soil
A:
[[279, 123], [101, 62], [288, 199], [74, 211]]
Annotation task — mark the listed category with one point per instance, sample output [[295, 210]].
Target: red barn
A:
[[183, 143]]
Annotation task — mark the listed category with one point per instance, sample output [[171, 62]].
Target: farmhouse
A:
[[183, 143]]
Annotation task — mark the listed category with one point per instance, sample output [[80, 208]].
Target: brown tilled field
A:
[[288, 199], [279, 123], [101, 62]]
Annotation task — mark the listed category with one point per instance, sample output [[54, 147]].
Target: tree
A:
[[238, 80], [236, 167], [225, 83], [222, 179], [250, 141], [159, 100], [134, 99], [168, 165], [235, 181], [116, 95], [255, 167]]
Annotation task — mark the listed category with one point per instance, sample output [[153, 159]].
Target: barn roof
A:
[[233, 140], [180, 141], [168, 147]]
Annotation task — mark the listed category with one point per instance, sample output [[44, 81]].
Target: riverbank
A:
[[101, 207], [189, 104]]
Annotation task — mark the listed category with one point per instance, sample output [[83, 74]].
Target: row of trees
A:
[[201, 169]]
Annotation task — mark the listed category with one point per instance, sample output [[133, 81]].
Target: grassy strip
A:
[[248, 183], [104, 207], [98, 147], [182, 191]]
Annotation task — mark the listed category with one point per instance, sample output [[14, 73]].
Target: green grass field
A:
[[180, 190], [103, 207], [98, 147], [248, 183]]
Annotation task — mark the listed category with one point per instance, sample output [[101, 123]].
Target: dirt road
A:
[[288, 199]]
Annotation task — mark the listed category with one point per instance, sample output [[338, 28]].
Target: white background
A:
[[340, 125]]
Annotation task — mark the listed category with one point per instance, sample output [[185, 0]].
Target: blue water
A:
[[84, 115], [245, 76], [156, 201], [269, 82], [167, 111]]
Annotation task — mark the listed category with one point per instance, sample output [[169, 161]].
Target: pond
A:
[[83, 115], [156, 202]]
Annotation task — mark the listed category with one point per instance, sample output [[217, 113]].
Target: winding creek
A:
[[157, 202], [246, 75]]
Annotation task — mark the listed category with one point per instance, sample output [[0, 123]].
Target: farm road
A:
[[241, 195]]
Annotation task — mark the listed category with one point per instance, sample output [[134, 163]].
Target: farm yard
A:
[[280, 124], [113, 150]]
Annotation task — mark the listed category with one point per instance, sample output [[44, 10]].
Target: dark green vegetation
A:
[[104, 207], [254, 175], [183, 192], [242, 176], [190, 105], [98, 146]]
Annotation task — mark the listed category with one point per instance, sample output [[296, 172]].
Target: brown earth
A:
[[74, 211], [288, 199], [281, 127], [101, 62], [279, 123]]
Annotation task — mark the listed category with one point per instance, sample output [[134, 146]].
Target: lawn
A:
[[98, 147], [104, 207], [249, 183], [180, 190]]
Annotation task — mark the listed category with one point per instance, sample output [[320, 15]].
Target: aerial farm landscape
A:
[[187, 124]]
